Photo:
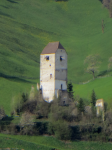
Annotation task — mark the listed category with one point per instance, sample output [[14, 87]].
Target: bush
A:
[[17, 103], [29, 106], [61, 130], [81, 106], [44, 109], [26, 119]]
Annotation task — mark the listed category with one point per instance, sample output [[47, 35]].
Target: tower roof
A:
[[52, 47]]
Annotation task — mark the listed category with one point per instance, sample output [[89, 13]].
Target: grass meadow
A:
[[48, 143], [101, 86]]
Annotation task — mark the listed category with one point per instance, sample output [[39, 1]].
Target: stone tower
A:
[[53, 70]]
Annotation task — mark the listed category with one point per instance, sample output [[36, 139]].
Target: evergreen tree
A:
[[24, 97], [70, 90], [105, 106], [93, 102], [81, 106], [93, 98]]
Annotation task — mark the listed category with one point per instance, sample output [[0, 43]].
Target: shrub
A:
[[44, 109], [61, 130], [17, 102], [81, 106], [70, 90], [26, 119], [29, 106]]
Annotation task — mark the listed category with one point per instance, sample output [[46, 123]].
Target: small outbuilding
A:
[[99, 105]]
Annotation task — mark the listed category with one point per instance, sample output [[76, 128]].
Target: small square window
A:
[[50, 76], [63, 102], [47, 57]]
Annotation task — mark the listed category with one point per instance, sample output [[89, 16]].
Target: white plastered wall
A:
[[47, 84]]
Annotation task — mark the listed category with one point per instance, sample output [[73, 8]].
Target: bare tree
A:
[[108, 4], [110, 9], [26, 119], [103, 26], [2, 113], [93, 62]]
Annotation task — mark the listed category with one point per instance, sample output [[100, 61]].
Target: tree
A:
[[81, 106], [108, 4], [18, 101], [70, 90], [2, 113], [110, 63], [24, 97], [93, 62], [93, 102], [103, 25], [110, 8], [93, 98], [26, 119], [105, 106], [101, 1]]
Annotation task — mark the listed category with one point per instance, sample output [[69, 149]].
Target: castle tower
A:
[[53, 70]]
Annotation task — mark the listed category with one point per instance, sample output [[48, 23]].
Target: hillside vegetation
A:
[[26, 27], [48, 143]]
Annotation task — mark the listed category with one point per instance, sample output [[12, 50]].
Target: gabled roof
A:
[[52, 47]]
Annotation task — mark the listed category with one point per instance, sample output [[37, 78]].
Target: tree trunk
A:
[[93, 76]]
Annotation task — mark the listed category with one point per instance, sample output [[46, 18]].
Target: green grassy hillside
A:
[[101, 86], [26, 27], [48, 143]]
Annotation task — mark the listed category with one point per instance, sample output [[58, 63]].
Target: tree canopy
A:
[[93, 64]]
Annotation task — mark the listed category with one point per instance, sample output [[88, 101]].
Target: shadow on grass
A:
[[13, 78], [101, 1], [103, 73], [36, 30], [4, 14], [4, 6], [11, 1]]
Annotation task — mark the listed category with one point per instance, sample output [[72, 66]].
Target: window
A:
[[61, 58], [47, 57], [63, 102], [50, 76], [61, 86]]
